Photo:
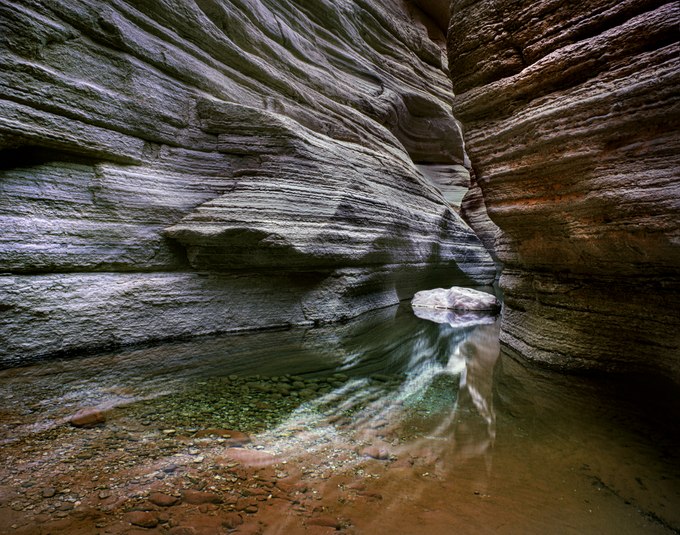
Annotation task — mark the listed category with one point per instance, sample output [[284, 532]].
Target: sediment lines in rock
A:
[[571, 116], [147, 142]]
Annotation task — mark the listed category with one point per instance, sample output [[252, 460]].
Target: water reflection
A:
[[403, 379], [434, 387], [455, 318], [394, 423], [389, 342]]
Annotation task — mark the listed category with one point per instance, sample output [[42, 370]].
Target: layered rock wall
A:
[[179, 167], [571, 111]]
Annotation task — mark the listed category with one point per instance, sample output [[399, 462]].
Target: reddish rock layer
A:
[[571, 113]]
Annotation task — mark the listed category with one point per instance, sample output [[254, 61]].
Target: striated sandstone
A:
[[572, 113], [183, 168]]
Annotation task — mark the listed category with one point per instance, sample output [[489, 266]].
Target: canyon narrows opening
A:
[[387, 424]]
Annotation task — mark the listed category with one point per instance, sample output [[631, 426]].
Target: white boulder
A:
[[456, 298]]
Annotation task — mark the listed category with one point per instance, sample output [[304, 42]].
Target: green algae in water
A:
[[424, 408], [253, 404], [247, 403], [440, 395]]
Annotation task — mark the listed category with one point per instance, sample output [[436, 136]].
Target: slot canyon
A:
[[214, 215]]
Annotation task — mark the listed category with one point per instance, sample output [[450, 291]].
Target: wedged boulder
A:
[[456, 298]]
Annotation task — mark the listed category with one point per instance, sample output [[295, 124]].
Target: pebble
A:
[[88, 417], [231, 520], [325, 521], [143, 519], [382, 454], [232, 437], [48, 492], [163, 500]]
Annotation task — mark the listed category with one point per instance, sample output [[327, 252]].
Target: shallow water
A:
[[387, 424]]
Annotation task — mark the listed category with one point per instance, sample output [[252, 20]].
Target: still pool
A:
[[388, 424]]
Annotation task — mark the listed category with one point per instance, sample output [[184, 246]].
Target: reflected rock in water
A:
[[385, 376], [433, 397], [467, 431], [456, 319]]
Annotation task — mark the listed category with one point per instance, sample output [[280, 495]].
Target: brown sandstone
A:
[[571, 117]]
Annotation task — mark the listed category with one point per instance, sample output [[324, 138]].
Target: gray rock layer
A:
[[572, 113], [261, 142]]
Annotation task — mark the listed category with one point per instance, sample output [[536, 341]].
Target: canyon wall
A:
[[572, 112], [172, 168]]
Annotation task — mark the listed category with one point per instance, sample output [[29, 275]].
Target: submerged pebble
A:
[[87, 417], [241, 404]]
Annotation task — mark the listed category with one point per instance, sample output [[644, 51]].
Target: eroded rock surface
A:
[[572, 113], [195, 167]]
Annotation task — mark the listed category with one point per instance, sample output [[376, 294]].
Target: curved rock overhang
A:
[[184, 168]]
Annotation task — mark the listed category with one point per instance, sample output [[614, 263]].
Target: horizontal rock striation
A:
[[572, 113], [350, 206], [189, 167]]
